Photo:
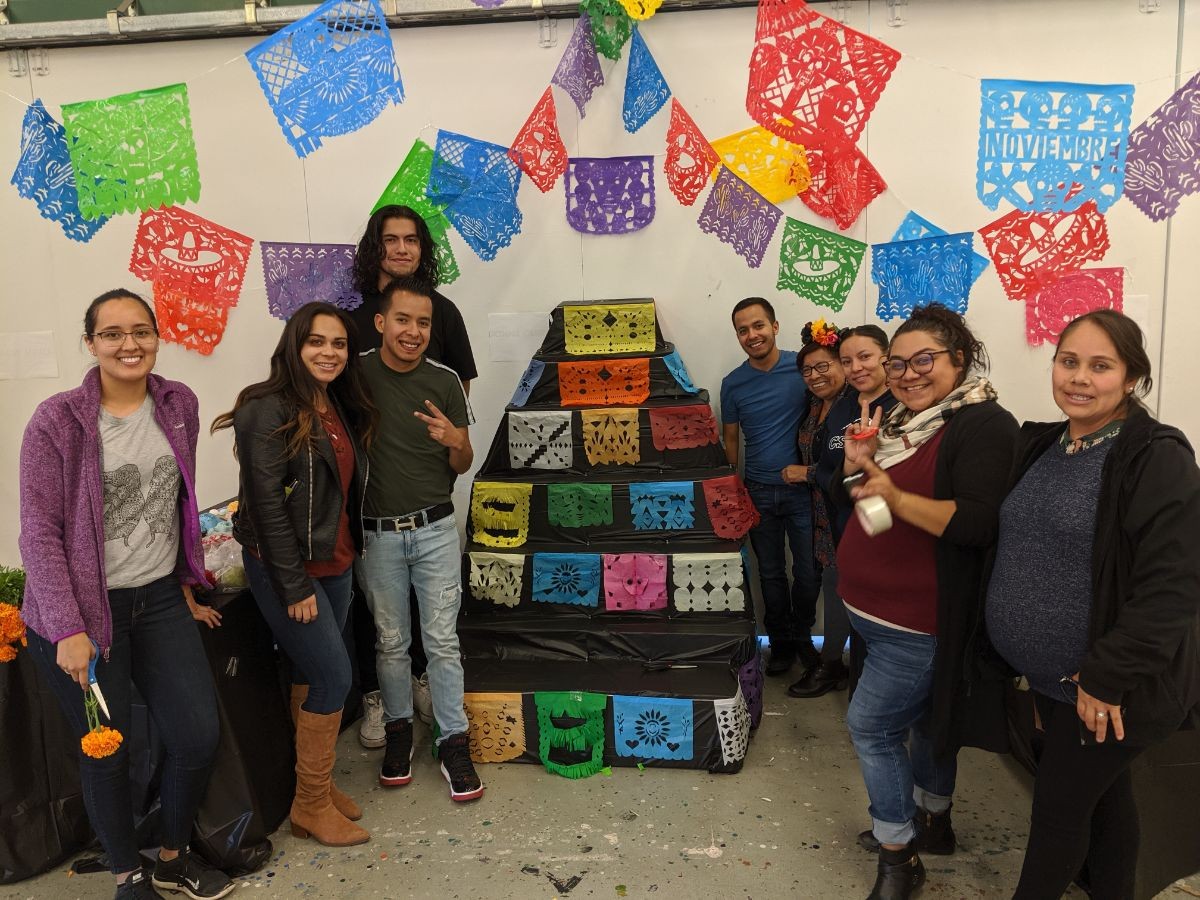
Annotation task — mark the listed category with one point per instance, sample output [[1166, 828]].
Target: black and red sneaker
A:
[[396, 770], [457, 768]]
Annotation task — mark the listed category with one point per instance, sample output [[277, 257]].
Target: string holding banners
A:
[[133, 151], [1053, 307], [1162, 165], [811, 76], [646, 90], [330, 73], [613, 195], [297, 273], [740, 216], [934, 269], [538, 148], [578, 71], [1049, 146], [690, 159], [44, 174], [818, 265], [1033, 249]]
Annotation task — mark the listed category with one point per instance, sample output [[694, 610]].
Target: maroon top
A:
[[343, 551], [893, 576]]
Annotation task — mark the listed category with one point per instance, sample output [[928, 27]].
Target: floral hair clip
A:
[[819, 332]]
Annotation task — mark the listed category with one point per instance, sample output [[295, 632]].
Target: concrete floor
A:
[[784, 827]]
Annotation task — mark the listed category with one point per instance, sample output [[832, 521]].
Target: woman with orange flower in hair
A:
[[110, 540]]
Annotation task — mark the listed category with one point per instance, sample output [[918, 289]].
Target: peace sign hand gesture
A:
[[441, 429]]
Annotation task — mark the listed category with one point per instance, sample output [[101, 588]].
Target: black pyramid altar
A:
[[606, 618]]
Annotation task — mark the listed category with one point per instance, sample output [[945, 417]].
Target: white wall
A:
[[484, 79]]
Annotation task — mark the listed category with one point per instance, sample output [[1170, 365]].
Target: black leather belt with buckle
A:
[[410, 522]]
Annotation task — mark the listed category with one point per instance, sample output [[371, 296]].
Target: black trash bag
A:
[[252, 780], [42, 817]]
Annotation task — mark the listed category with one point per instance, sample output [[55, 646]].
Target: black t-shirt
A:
[[449, 343]]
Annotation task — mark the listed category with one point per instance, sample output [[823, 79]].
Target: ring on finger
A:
[[1100, 715]]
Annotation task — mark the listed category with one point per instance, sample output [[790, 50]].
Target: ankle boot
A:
[[935, 834], [341, 802], [899, 876], [830, 675], [313, 812]]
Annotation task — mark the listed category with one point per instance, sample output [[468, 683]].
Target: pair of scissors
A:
[[94, 684]]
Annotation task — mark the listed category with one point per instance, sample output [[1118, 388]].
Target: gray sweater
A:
[[1039, 599]]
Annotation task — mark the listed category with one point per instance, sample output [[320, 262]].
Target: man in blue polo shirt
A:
[[762, 401]]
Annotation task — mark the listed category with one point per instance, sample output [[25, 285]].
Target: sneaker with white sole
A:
[[396, 770], [422, 698], [370, 731], [457, 768], [191, 876]]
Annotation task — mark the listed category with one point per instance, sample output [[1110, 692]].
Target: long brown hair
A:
[[290, 378]]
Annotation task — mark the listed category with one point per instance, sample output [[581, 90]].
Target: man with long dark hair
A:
[[397, 242]]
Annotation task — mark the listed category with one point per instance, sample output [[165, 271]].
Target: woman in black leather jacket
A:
[[299, 440]]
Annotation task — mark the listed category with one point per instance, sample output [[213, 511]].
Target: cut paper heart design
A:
[[572, 578], [653, 727]]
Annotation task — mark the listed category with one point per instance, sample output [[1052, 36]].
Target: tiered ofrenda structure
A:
[[606, 616]]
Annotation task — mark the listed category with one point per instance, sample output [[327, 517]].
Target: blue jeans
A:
[[889, 708], [316, 649], [786, 511], [428, 559], [156, 647]]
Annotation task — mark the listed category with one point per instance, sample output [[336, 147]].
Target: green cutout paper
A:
[[588, 735], [611, 26], [407, 188], [579, 505], [133, 151]]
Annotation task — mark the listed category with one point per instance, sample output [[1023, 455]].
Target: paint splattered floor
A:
[[784, 827]]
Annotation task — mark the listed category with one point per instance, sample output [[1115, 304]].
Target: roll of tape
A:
[[873, 515]]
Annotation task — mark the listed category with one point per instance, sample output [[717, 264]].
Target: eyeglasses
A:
[[145, 336], [921, 363], [820, 368]]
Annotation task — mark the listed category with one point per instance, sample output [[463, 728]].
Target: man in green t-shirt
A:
[[421, 444]]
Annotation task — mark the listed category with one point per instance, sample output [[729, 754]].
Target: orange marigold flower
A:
[[7, 653], [11, 626], [101, 743]]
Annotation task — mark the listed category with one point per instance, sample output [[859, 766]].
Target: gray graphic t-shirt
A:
[[141, 496]]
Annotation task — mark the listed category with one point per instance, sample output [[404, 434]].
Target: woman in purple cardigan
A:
[[110, 541]]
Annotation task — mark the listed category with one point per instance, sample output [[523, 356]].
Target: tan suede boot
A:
[[341, 802], [313, 813]]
